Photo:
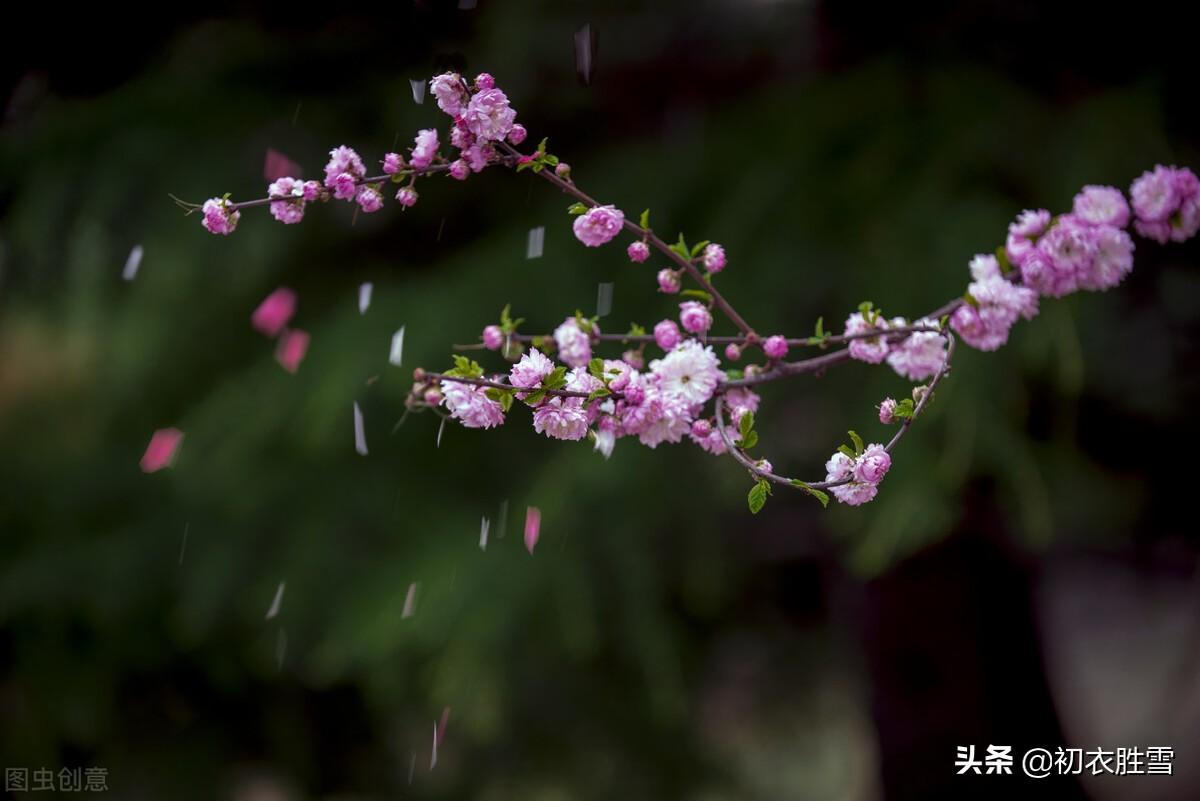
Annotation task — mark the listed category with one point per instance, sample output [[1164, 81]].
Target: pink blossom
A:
[[634, 359], [448, 89], [668, 280], [290, 211], [484, 80], [714, 258], [369, 199], [709, 438], [866, 349], [666, 334], [695, 316], [1185, 221], [160, 453], [563, 170], [1040, 273], [690, 373], [701, 428], [393, 163], [470, 405], [517, 134], [477, 156], [599, 225], [998, 303], [919, 355], [733, 352], [668, 419], [1070, 246], [493, 337], [1155, 194], [740, 401], [425, 148], [574, 344], [872, 465], [407, 197], [488, 115], [1024, 232], [841, 467], [459, 170], [274, 312], [291, 348], [983, 266], [460, 137], [561, 418], [530, 370], [1101, 205], [343, 171], [887, 411], [638, 252], [775, 347], [1113, 259], [1159, 231], [218, 218], [432, 396], [764, 466]]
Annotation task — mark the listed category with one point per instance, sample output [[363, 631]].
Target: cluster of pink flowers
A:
[[298, 193], [1166, 201], [862, 474], [218, 217], [574, 344], [598, 225], [994, 304], [470, 405]]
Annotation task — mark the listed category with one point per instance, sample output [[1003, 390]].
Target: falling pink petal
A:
[[274, 312], [441, 729], [278, 166], [291, 349], [533, 527], [161, 450]]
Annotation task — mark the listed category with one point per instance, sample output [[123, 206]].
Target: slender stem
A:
[[686, 264], [483, 382]]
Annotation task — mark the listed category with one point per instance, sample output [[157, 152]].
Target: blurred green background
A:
[[1027, 576]]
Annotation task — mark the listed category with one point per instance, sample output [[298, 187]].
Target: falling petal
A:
[[410, 601], [441, 227], [160, 453], [441, 428], [183, 545], [274, 610], [433, 756], [364, 297], [502, 519], [412, 766], [537, 238], [533, 527], [295, 117], [280, 648], [484, 525], [278, 166], [397, 354], [360, 437], [132, 263], [585, 47], [274, 312], [441, 728], [418, 89], [604, 295], [290, 349]]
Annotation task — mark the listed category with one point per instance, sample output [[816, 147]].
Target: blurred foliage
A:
[[584, 670]]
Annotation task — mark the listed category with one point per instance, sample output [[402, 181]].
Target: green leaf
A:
[[734, 374], [1006, 266], [576, 208], [551, 159], [816, 493], [596, 368], [697, 293], [598, 393], [757, 497], [858, 443], [506, 401], [846, 450], [535, 397], [541, 149], [819, 331], [749, 441], [465, 368], [680, 248], [636, 330], [746, 424], [699, 246], [557, 379], [970, 300], [524, 165], [645, 221]]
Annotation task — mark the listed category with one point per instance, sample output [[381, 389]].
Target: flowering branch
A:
[[664, 400]]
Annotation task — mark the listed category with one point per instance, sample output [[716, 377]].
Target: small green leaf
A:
[[596, 368], [757, 497], [699, 246], [557, 379], [858, 443], [598, 393], [636, 330], [969, 299], [697, 293], [749, 441], [734, 374], [645, 221], [551, 159], [535, 397], [1006, 266], [746, 424], [845, 449], [816, 493], [576, 208], [819, 331], [541, 149], [680, 248]]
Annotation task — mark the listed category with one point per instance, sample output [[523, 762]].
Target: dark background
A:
[[1028, 575]]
